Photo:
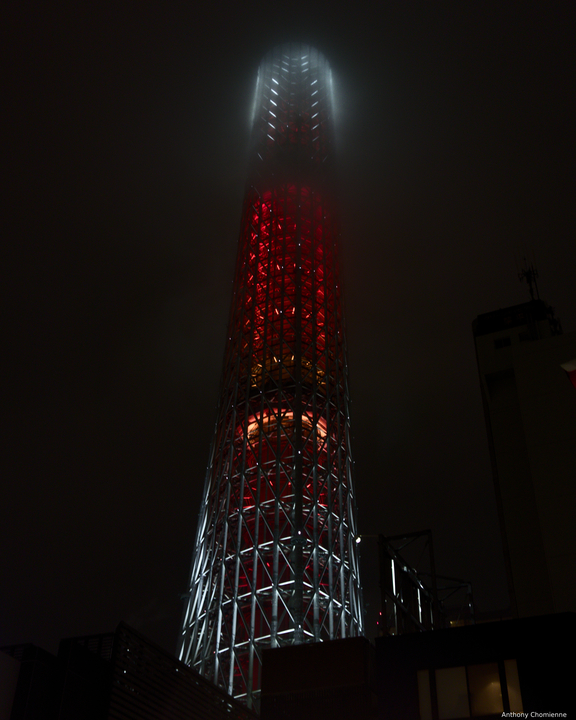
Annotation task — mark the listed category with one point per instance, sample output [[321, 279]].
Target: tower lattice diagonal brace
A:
[[275, 560]]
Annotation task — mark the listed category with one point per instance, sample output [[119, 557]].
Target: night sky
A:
[[126, 131]]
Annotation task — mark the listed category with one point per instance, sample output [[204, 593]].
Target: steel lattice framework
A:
[[275, 560]]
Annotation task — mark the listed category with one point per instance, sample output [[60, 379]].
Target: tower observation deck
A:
[[275, 562]]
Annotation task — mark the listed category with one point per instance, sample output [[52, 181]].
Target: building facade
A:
[[275, 561], [116, 676], [530, 410], [513, 668]]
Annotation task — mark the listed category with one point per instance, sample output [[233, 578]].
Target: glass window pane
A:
[[513, 685], [452, 693], [424, 695], [485, 690]]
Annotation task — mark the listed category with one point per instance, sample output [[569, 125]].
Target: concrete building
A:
[[480, 671], [115, 676], [530, 409], [334, 680]]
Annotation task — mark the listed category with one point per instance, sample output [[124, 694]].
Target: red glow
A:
[[288, 274]]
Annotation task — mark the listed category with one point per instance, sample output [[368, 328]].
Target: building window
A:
[[469, 691], [485, 690], [513, 686], [452, 693], [424, 698]]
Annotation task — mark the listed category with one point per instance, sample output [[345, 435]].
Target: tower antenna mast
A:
[[530, 274]]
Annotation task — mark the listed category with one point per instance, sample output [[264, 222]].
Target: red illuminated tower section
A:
[[275, 559]]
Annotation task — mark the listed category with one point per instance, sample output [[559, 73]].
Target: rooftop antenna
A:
[[529, 273]]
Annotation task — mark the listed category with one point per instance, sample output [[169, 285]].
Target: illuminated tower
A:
[[275, 560]]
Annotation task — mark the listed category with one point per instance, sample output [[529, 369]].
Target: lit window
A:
[[452, 693], [424, 695], [469, 691], [485, 691], [513, 685]]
